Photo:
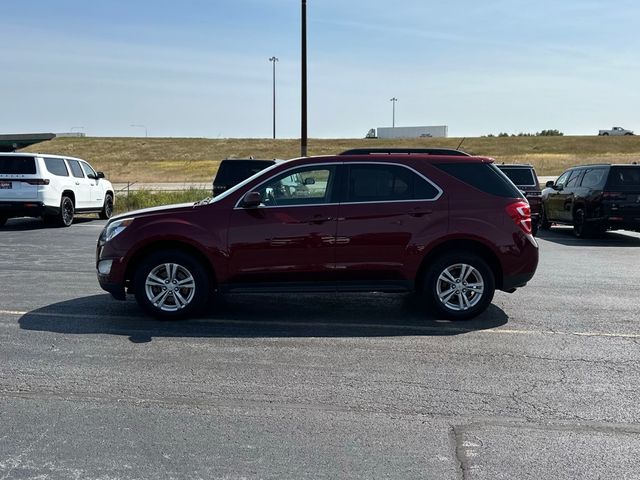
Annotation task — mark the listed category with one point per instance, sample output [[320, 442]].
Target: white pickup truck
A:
[[615, 131]]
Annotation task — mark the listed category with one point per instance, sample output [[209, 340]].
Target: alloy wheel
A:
[[460, 287], [170, 287]]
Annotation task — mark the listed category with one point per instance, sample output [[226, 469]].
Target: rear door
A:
[[386, 212], [18, 178], [622, 193]]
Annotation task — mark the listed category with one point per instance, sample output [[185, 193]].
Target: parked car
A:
[[525, 178], [452, 228], [52, 187], [615, 131], [234, 170], [594, 199]]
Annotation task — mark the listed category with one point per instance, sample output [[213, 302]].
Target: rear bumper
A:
[[26, 209]]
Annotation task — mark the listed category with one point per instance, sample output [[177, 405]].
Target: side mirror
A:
[[252, 200], [309, 181], [99, 175], [549, 184], [559, 187]]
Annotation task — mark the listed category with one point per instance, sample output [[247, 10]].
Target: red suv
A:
[[452, 228]]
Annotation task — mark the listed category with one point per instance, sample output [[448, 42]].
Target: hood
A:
[[145, 212]]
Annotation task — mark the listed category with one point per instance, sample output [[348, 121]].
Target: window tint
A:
[[562, 179], [91, 173], [573, 179], [232, 172], [483, 176], [76, 170], [305, 186], [56, 166], [10, 165], [379, 183], [520, 176], [624, 177], [593, 177]]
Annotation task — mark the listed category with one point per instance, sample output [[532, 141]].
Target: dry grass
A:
[[197, 159]]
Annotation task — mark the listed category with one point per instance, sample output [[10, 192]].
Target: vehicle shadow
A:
[[27, 223], [565, 236], [255, 316]]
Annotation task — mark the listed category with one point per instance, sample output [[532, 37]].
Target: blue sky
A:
[[200, 68]]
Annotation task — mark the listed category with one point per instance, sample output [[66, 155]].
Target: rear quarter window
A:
[[10, 165], [483, 176], [624, 178], [56, 166]]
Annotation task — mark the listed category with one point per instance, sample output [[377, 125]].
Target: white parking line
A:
[[453, 329]]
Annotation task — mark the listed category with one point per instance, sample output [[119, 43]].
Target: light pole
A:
[[146, 132], [274, 59], [303, 120], [394, 100]]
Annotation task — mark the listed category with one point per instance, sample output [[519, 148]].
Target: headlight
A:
[[116, 228]]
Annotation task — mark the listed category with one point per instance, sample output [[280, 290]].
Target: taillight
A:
[[520, 212], [37, 181], [613, 196]]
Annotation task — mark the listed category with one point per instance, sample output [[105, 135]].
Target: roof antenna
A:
[[461, 142]]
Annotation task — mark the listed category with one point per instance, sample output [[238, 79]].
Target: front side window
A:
[[305, 186], [384, 183], [562, 179], [573, 180], [91, 173], [76, 169], [56, 166]]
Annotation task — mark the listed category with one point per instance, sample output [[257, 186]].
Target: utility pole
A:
[[393, 122], [303, 136], [274, 59]]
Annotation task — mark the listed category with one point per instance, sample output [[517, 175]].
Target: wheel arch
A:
[[465, 245], [178, 245], [70, 194]]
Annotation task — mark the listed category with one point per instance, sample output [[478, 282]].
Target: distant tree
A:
[[549, 133], [503, 134]]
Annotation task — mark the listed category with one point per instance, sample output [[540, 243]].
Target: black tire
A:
[[107, 208], [435, 286], [543, 222], [190, 299], [581, 228], [605, 134], [535, 225], [3, 220], [67, 212]]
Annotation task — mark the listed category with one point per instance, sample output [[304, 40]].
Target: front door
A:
[[290, 237]]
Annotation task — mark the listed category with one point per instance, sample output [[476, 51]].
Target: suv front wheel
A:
[[459, 285], [171, 284]]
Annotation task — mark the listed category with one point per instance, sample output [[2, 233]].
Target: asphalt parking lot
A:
[[545, 384]]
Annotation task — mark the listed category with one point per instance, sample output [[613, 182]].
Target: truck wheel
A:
[[543, 222], [170, 284], [107, 208], [3, 220], [459, 285], [67, 211], [605, 134], [581, 228]]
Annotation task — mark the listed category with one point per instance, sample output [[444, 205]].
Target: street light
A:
[[146, 133], [303, 120], [274, 59], [394, 100]]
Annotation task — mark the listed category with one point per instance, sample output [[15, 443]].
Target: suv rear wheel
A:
[[171, 284], [459, 285], [65, 216], [543, 223], [581, 228]]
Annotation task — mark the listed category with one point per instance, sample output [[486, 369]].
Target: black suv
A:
[[235, 170], [525, 178], [594, 199]]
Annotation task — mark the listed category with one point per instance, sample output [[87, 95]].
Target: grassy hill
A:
[[197, 159]]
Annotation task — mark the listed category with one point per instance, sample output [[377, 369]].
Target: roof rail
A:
[[408, 151]]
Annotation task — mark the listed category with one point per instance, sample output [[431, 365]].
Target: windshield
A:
[[240, 185]]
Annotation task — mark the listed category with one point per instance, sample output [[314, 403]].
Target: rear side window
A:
[[56, 166], [10, 165], [520, 176], [625, 178], [594, 178], [483, 176], [76, 169], [379, 183]]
